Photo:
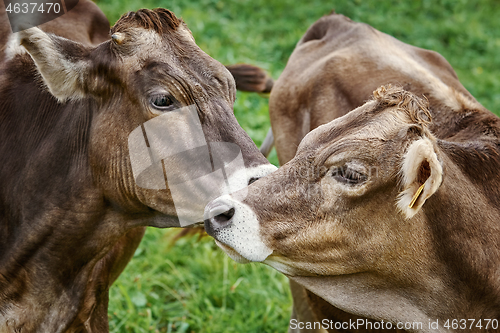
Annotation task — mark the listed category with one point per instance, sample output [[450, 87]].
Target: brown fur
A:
[[254, 79], [415, 107], [334, 69], [160, 20], [335, 50], [71, 213], [188, 232], [351, 246], [251, 78]]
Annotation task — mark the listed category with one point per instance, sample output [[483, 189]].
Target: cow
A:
[[319, 239], [71, 212]]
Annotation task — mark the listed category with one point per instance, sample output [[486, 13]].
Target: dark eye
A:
[[347, 175], [162, 102]]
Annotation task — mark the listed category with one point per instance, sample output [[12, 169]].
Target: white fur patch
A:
[[145, 37], [238, 181], [186, 34], [418, 152], [242, 235], [13, 47], [61, 75]]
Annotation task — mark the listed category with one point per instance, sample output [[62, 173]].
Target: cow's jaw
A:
[[232, 253], [285, 266]]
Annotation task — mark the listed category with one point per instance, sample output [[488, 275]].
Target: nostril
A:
[[253, 180], [224, 218]]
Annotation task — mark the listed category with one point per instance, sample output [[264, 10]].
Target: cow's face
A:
[[150, 69], [342, 205]]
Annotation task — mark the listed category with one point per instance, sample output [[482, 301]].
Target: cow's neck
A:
[[55, 223], [362, 294], [46, 265], [464, 218]]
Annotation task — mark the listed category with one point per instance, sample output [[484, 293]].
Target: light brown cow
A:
[[71, 211], [354, 59], [380, 217], [355, 236]]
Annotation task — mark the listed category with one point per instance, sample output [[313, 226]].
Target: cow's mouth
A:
[[232, 253]]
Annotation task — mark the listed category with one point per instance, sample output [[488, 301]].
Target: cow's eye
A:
[[162, 102], [347, 175]]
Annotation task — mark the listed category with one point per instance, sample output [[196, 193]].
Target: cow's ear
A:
[[62, 63], [421, 173]]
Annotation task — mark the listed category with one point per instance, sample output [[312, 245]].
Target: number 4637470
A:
[[31, 8], [471, 324]]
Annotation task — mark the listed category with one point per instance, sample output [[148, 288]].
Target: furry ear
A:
[[62, 63], [422, 174]]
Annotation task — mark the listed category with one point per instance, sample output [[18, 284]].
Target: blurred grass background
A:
[[192, 286]]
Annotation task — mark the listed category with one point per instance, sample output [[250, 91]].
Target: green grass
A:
[[193, 286]]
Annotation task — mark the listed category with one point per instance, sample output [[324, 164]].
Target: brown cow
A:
[[88, 25], [355, 59], [381, 217], [374, 59], [71, 211]]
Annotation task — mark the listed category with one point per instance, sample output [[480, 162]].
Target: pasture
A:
[[192, 286]]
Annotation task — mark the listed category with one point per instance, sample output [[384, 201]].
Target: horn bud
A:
[[118, 38]]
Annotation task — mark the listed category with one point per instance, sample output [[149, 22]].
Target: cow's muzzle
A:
[[235, 227], [219, 214]]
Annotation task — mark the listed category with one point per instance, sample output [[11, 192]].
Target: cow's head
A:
[[150, 67], [349, 201]]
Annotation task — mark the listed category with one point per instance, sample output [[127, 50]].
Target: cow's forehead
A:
[[148, 37], [141, 44], [358, 126], [391, 110]]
